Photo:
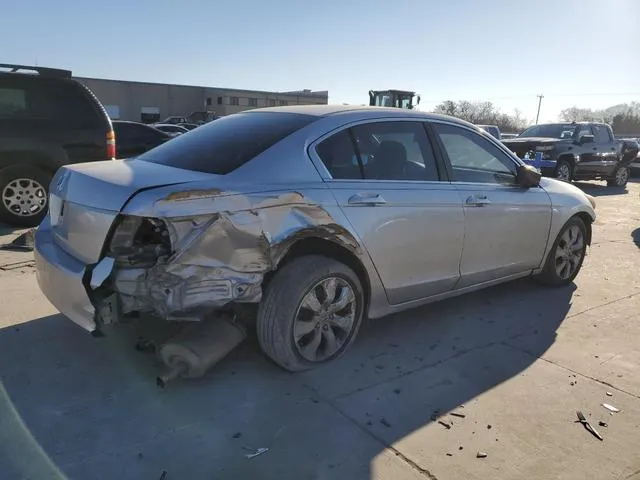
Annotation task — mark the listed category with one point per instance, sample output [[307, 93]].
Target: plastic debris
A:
[[258, 452], [587, 425], [609, 394], [602, 424], [481, 455], [611, 408]]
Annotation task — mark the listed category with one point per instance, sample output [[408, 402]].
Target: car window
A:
[[473, 158], [339, 156], [601, 134], [385, 151], [584, 130], [222, 146], [64, 101]]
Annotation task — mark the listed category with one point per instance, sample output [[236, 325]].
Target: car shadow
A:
[[635, 235], [600, 189], [72, 405]]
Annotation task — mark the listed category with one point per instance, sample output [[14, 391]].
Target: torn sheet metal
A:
[[223, 257]]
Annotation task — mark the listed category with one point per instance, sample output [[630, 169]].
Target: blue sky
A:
[[575, 52]]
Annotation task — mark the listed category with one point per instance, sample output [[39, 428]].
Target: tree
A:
[[623, 118], [482, 113]]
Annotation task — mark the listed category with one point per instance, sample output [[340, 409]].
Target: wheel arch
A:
[[327, 248], [36, 158], [587, 220]]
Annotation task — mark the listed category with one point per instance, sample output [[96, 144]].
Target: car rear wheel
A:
[[566, 255], [310, 312], [620, 177], [564, 170], [23, 195]]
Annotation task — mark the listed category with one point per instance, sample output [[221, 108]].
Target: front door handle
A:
[[478, 200], [367, 199]]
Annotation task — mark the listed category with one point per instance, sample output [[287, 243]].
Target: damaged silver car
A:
[[320, 216]]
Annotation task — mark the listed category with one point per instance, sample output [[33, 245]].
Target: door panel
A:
[[384, 176], [506, 225], [506, 232], [600, 157], [414, 239]]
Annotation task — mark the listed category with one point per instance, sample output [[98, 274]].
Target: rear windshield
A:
[[225, 144]]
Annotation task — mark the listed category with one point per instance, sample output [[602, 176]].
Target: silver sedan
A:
[[320, 216]]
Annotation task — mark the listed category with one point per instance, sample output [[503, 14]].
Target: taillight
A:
[[111, 145]]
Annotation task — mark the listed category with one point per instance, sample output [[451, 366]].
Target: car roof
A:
[[361, 112]]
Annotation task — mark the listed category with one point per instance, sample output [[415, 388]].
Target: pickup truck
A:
[[576, 151]]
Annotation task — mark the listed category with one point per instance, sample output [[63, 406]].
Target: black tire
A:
[[12, 174], [620, 177], [549, 275], [563, 166], [280, 303]]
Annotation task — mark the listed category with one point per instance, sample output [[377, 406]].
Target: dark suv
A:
[[47, 120]]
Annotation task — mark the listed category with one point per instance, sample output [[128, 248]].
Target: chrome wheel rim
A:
[[325, 319], [563, 172], [569, 252], [622, 175], [24, 197]]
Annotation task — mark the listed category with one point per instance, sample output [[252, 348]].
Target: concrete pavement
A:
[[516, 360]]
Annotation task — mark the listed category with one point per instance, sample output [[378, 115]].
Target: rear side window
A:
[[223, 145], [35, 98]]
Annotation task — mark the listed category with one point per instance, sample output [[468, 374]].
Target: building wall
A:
[[182, 100]]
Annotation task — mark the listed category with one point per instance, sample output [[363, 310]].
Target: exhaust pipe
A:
[[197, 348]]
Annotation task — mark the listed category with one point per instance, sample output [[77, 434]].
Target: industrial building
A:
[[153, 102]]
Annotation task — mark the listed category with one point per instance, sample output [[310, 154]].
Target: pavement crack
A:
[[423, 471], [606, 304]]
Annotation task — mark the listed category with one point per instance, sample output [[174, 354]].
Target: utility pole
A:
[[540, 97]]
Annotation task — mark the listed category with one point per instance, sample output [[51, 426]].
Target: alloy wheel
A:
[[563, 173], [622, 175], [569, 252], [24, 197], [325, 319]]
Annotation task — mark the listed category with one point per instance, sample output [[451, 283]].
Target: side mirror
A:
[[528, 176], [586, 139]]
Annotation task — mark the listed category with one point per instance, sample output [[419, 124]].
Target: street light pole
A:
[[540, 97]]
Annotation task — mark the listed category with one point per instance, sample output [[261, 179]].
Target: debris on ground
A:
[[489, 427], [602, 424], [587, 425], [449, 454], [163, 476], [609, 394], [237, 435], [22, 243], [385, 423], [611, 408], [256, 453], [481, 455], [444, 424], [459, 415]]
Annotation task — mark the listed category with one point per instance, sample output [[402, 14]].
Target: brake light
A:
[[111, 145]]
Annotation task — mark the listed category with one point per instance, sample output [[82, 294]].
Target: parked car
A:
[[577, 151], [319, 215], [173, 130], [507, 136], [47, 119], [175, 120], [492, 130], [189, 126], [136, 138]]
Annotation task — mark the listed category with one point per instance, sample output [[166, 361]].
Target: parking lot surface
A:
[[514, 363]]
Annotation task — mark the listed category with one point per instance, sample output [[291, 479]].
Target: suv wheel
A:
[[564, 170], [620, 177], [310, 313], [23, 195]]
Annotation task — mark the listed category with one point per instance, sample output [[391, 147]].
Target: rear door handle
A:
[[478, 200], [367, 199]]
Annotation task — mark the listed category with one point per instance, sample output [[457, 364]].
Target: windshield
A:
[[554, 130]]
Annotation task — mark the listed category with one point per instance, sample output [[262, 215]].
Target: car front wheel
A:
[[564, 170], [566, 255], [620, 177], [310, 312]]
